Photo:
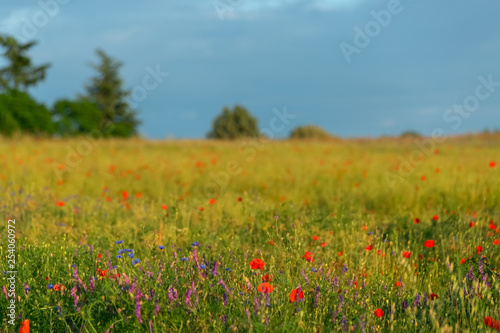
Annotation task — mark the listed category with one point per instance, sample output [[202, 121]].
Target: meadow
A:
[[257, 236]]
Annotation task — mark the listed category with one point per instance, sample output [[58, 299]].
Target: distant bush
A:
[[410, 134], [20, 113], [310, 132], [234, 124]]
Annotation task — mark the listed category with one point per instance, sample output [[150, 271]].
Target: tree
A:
[[310, 132], [107, 93], [19, 72], [76, 117], [235, 124], [20, 113]]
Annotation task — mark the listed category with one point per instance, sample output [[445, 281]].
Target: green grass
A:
[[350, 194]]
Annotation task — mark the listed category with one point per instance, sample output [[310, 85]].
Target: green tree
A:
[[20, 113], [309, 132], [234, 124], [107, 93], [76, 117], [19, 72]]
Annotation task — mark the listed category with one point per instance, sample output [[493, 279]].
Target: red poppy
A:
[[257, 264], [164, 207], [212, 201], [369, 247], [421, 257], [309, 256], [315, 238], [463, 260], [479, 249], [99, 256], [435, 217], [202, 209], [496, 242], [433, 296], [429, 243], [138, 195], [493, 164], [472, 224], [496, 325], [340, 253], [57, 287], [265, 288], [108, 199], [322, 244], [124, 195], [240, 199], [379, 313], [492, 226], [271, 242], [364, 227], [397, 284], [406, 254], [60, 203], [417, 220], [488, 321], [26, 326], [423, 178], [47, 278], [267, 278], [294, 297]]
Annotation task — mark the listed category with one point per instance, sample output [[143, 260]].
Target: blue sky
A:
[[271, 55]]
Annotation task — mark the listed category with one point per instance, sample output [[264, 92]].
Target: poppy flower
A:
[[315, 238], [479, 249], [102, 273], [496, 325], [60, 204], [433, 296], [164, 207], [379, 313], [124, 195], [271, 242], [435, 217], [463, 260], [265, 288], [240, 199], [295, 295], [138, 195], [472, 224], [309, 256], [429, 243], [364, 227], [202, 209], [397, 284], [322, 244], [340, 253], [496, 242], [493, 164], [212, 201], [369, 247], [108, 199], [257, 264], [416, 221], [488, 321], [57, 287], [406, 254], [492, 226], [26, 326], [267, 278], [421, 257]]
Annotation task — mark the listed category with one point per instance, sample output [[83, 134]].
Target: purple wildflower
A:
[[92, 284], [214, 269], [316, 298], [224, 298], [5, 292], [127, 280], [470, 275], [248, 315], [157, 309], [304, 275], [188, 297], [221, 282], [255, 304], [138, 311], [172, 294], [150, 326], [195, 258]]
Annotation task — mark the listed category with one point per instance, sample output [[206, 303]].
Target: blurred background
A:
[[166, 69]]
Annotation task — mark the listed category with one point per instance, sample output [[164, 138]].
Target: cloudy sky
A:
[[327, 62]]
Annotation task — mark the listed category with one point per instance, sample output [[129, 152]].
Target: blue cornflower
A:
[[203, 266], [228, 269], [129, 250], [119, 242], [131, 255], [115, 267], [161, 247], [314, 269], [135, 262], [370, 233], [121, 251], [194, 244], [57, 308], [118, 257], [184, 259], [50, 286]]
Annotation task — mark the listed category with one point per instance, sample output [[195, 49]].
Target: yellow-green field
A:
[[74, 199]]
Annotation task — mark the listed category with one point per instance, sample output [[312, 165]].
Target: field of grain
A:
[[144, 236]]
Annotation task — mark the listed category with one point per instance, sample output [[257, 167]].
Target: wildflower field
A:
[[272, 236]]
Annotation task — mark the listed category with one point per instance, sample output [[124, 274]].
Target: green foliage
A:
[[76, 117], [107, 93], [19, 112], [309, 132], [234, 124], [411, 134], [19, 72]]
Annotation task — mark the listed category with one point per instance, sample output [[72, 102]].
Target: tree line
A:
[[103, 104]]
